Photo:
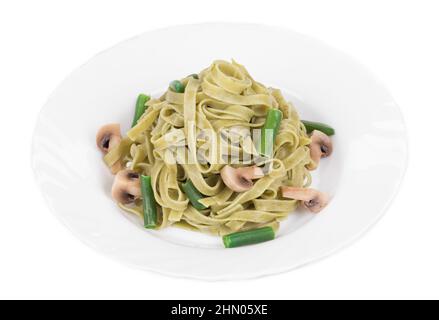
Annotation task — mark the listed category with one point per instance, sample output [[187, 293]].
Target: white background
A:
[[41, 42]]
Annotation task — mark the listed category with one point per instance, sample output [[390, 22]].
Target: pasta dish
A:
[[218, 152]]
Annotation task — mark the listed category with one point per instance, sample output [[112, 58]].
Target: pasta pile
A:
[[193, 135]]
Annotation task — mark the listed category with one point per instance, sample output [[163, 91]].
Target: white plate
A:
[[362, 176]]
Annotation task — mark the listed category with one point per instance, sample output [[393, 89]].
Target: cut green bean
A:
[[149, 203], [193, 195], [244, 238], [142, 99], [193, 75], [269, 132], [311, 126], [177, 86]]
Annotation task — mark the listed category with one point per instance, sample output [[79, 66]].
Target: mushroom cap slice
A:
[[312, 199], [126, 187], [250, 173], [108, 137], [318, 203], [324, 141], [320, 147], [240, 179]]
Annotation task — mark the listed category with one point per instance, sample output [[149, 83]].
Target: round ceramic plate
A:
[[362, 176]]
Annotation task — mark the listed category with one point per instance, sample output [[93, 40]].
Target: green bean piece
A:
[[142, 99], [193, 75], [193, 195], [149, 203], [244, 238], [177, 86], [269, 132], [311, 126]]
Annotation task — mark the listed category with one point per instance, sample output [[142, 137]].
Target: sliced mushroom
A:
[[126, 187], [107, 138], [240, 179], [311, 199], [320, 147]]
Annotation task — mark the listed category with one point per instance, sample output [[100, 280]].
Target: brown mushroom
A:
[[126, 187], [240, 179], [320, 147], [311, 199], [107, 138]]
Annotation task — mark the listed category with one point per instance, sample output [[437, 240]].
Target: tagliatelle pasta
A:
[[193, 135]]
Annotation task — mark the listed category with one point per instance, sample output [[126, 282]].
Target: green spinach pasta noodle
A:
[[189, 137]]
